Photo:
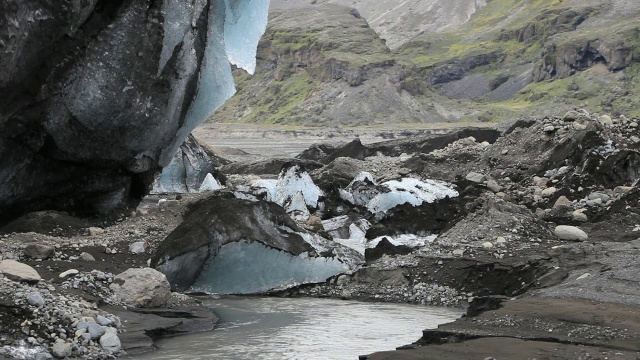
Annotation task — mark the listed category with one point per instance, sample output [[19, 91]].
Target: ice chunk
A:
[[349, 233], [294, 180], [361, 190], [210, 184], [409, 240], [245, 22], [251, 267], [297, 208], [412, 191], [269, 186]]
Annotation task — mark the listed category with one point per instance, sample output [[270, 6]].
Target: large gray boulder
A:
[[142, 288], [18, 271], [98, 95]]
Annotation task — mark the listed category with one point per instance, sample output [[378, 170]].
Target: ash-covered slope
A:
[[97, 95]]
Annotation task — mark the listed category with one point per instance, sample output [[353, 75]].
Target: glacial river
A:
[[303, 329]]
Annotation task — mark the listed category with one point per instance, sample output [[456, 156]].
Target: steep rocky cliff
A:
[[323, 64]]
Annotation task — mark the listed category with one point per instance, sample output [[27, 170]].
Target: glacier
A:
[[233, 33]]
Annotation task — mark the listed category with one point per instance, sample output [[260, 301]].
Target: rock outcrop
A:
[[99, 95]]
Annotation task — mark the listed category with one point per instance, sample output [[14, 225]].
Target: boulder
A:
[[142, 288], [17, 271], [38, 251], [570, 233]]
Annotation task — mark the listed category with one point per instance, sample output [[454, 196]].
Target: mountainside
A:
[[326, 64]]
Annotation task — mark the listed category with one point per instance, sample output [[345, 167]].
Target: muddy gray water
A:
[[303, 329]]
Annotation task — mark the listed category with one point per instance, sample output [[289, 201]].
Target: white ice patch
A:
[[413, 241], [412, 191], [297, 207], [351, 234], [295, 180], [250, 267], [210, 184], [245, 22], [269, 186]]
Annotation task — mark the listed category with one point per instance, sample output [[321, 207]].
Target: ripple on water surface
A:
[[303, 329]]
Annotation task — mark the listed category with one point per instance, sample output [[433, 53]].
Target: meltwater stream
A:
[[303, 329]]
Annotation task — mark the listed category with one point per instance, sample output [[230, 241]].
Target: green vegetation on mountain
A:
[[323, 65]]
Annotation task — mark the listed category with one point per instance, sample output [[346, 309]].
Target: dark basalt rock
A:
[[88, 113], [385, 247]]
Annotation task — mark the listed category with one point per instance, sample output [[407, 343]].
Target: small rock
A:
[[548, 192], [93, 231], [18, 271], [570, 233], [95, 330], [579, 215], [458, 252], [110, 342], [635, 139], [501, 240], [633, 124], [549, 129], [493, 186], [38, 251], [620, 190], [87, 257], [103, 321], [571, 116], [35, 299], [43, 356], [138, 247], [70, 272], [562, 202], [475, 177], [404, 171], [605, 120], [578, 126], [61, 349], [487, 245]]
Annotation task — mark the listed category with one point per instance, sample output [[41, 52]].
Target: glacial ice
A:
[[245, 22], [210, 184], [363, 191], [295, 180], [344, 231], [412, 191], [233, 32], [297, 207], [251, 267]]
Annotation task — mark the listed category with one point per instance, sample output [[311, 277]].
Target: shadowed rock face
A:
[[97, 95], [84, 116]]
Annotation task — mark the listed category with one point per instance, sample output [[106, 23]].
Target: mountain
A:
[[322, 63]]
